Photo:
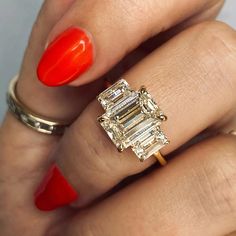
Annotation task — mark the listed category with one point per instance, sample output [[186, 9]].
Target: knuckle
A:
[[219, 37], [76, 227], [216, 42], [49, 4], [89, 229], [215, 30], [217, 178], [90, 150], [46, 8], [51, 8]]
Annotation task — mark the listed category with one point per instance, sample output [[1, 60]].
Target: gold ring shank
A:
[[160, 158], [29, 118]]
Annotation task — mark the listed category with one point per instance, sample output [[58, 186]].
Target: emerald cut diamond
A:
[[132, 119]]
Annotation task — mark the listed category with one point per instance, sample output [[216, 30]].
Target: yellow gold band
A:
[[160, 158]]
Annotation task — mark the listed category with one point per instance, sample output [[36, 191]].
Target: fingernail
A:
[[54, 191], [66, 58]]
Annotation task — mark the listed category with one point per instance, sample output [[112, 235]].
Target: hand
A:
[[25, 154]]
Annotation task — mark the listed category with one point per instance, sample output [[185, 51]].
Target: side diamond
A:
[[149, 106], [151, 145], [113, 93], [113, 130]]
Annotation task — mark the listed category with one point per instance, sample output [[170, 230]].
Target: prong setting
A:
[[162, 117], [100, 119], [143, 90], [120, 148]]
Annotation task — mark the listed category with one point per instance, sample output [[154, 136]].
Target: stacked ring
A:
[[28, 117]]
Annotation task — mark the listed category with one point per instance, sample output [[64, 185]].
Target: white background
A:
[[16, 19]]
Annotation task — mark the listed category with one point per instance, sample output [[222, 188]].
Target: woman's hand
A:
[[192, 77]]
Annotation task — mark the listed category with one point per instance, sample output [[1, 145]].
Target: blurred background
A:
[[16, 19]]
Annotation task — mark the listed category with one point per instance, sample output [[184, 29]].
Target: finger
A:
[[26, 89], [209, 13], [206, 15], [108, 31], [149, 45], [62, 103], [53, 103], [194, 195], [24, 153], [182, 75]]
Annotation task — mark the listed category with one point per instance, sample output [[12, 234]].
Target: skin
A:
[[188, 76]]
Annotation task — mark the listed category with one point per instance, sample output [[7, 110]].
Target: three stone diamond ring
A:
[[133, 119]]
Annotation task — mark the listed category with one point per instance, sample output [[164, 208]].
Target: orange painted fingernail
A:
[[66, 58], [54, 191]]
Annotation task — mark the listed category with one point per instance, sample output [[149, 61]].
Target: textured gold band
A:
[[160, 158], [29, 118]]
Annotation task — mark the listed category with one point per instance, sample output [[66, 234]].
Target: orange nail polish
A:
[[54, 191], [66, 58]]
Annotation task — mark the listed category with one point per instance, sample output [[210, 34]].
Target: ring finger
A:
[[188, 78]]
